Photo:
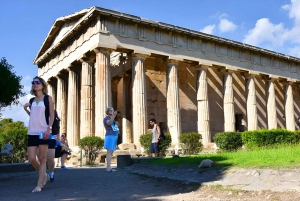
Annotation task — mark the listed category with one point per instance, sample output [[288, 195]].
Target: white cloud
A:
[[226, 25], [208, 29], [17, 112], [293, 9], [265, 32], [275, 36]]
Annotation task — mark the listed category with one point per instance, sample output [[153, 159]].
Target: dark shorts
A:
[[154, 148], [58, 152], [34, 141], [52, 144]]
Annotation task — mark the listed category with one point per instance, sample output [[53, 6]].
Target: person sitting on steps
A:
[[62, 151]]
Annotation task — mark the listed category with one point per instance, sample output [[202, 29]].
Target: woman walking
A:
[[111, 136], [41, 118]]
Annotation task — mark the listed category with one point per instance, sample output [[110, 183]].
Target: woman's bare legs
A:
[[42, 158], [32, 153], [108, 159]]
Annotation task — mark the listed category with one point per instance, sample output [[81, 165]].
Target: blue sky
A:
[[269, 24]]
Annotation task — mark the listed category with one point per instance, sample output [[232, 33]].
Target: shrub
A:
[[165, 144], [91, 146], [264, 137], [146, 139], [229, 141], [191, 143], [14, 133]]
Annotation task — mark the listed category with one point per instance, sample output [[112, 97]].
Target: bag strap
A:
[[31, 101], [47, 111]]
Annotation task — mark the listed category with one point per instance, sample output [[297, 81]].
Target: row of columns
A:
[[82, 118]]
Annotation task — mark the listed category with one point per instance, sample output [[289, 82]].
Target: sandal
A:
[[47, 179]]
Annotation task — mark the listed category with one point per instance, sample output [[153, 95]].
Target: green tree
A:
[[14, 133], [10, 86]]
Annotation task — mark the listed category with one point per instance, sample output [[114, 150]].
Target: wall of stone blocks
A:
[[279, 92], [215, 97], [188, 97], [296, 96], [239, 94], [261, 103], [156, 90]]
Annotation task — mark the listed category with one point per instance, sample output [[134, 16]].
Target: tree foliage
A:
[[14, 133], [10, 85]]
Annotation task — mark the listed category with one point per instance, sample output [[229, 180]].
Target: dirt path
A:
[[97, 184]]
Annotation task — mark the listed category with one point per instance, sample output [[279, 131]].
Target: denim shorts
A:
[[154, 148]]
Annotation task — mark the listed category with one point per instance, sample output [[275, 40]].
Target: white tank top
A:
[[37, 121]]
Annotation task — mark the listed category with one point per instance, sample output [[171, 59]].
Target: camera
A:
[[118, 111]]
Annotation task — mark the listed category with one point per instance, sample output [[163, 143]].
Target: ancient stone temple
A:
[[188, 80]]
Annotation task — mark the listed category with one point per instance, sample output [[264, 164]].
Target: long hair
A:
[[43, 82]]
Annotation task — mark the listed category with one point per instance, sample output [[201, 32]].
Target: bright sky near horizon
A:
[[269, 24]]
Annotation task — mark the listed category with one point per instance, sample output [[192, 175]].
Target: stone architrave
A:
[[271, 105], [52, 93], [126, 124], [173, 104], [103, 89], [251, 103], [139, 97], [229, 117], [87, 100], [73, 109], [289, 107], [61, 107], [203, 107]]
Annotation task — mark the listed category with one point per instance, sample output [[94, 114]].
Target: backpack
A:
[[55, 125], [162, 135]]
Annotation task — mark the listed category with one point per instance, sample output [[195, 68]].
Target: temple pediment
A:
[[59, 28]]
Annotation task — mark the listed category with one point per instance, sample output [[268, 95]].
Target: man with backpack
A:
[[52, 146]]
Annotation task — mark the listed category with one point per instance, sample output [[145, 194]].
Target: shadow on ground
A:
[[91, 184]]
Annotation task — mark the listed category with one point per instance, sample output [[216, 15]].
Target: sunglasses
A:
[[35, 82]]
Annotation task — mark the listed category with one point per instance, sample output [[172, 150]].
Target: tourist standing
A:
[[111, 136], [154, 146], [40, 121]]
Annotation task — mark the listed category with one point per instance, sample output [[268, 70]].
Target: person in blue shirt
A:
[[111, 137]]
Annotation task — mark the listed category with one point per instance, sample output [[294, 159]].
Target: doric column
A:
[[87, 121], [271, 105], [139, 97], [62, 103], [173, 104], [228, 101], [251, 103], [126, 104], [103, 89], [73, 108], [289, 107], [203, 106], [52, 93]]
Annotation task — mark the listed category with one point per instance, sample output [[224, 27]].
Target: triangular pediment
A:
[[59, 28]]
